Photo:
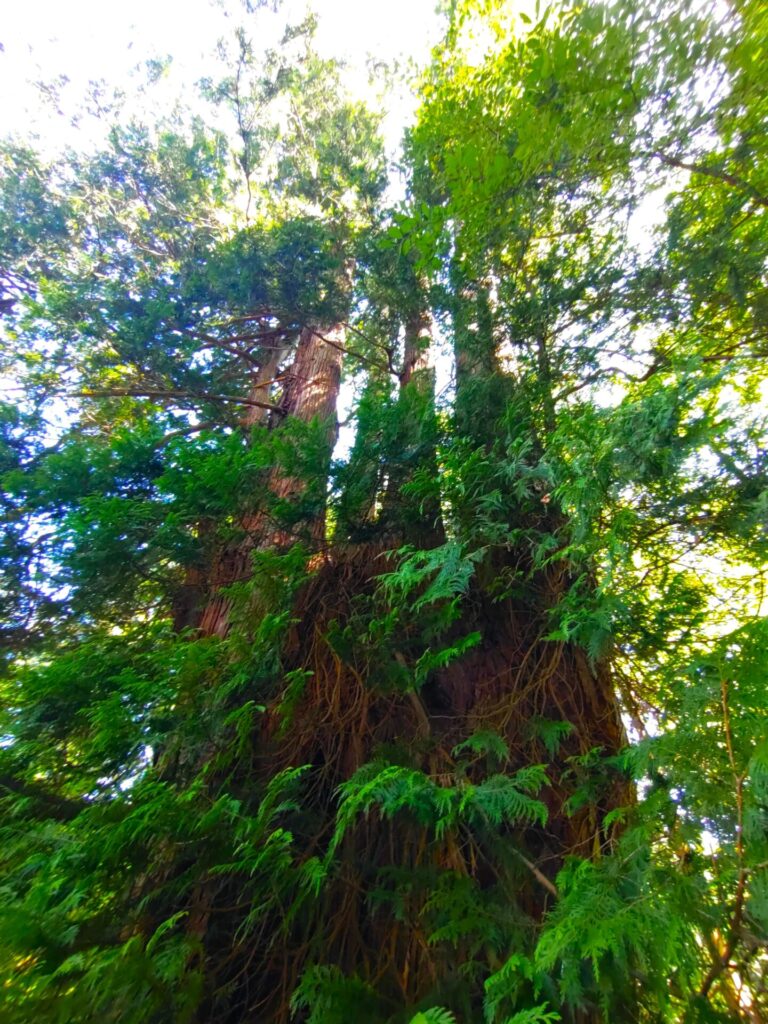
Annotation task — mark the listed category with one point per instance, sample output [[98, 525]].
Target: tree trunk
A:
[[482, 389], [417, 344], [310, 392], [415, 518], [191, 598]]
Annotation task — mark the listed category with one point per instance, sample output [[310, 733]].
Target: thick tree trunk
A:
[[310, 392], [351, 707], [190, 600]]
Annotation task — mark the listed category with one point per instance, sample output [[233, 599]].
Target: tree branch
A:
[[165, 393], [347, 352], [713, 172], [57, 807]]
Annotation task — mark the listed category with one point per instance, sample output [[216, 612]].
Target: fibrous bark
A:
[[310, 392]]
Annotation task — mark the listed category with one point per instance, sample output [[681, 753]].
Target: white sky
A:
[[105, 39]]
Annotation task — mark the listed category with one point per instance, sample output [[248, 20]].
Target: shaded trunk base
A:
[[375, 914]]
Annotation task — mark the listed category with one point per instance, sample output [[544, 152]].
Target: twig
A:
[[712, 172], [168, 393], [722, 961]]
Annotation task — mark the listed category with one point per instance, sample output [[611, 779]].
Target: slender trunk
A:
[[416, 348], [415, 514], [544, 367], [481, 388], [257, 416]]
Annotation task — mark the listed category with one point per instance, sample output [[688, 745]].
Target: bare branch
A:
[[348, 352], [713, 172], [170, 394]]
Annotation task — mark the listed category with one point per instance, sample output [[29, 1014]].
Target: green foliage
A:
[[435, 1015], [332, 998], [393, 777], [535, 1015], [394, 789]]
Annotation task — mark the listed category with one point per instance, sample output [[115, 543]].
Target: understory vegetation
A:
[[464, 720]]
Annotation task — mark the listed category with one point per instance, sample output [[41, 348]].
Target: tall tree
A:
[[468, 723]]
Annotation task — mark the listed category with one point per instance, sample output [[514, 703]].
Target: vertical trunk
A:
[[361, 480], [415, 517], [256, 416], [551, 682], [310, 392], [190, 599], [481, 388], [544, 367], [416, 348]]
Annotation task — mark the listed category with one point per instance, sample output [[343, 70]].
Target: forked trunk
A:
[[354, 707]]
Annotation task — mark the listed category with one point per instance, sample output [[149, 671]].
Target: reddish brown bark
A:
[[310, 392], [190, 600], [416, 346]]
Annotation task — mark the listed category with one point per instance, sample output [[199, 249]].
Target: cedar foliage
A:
[[468, 724]]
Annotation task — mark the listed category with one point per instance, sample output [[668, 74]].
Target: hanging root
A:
[[542, 698]]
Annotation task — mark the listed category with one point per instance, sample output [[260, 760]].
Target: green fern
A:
[[327, 996], [535, 1015], [486, 742], [395, 789], [435, 1015]]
